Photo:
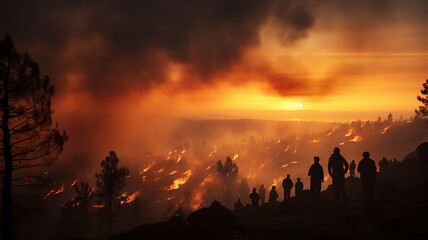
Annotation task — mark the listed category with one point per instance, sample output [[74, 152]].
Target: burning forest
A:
[[191, 176]]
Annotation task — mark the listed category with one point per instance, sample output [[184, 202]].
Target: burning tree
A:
[[29, 138], [423, 110], [228, 174], [110, 182]]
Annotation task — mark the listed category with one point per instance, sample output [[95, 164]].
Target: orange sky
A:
[[193, 59]]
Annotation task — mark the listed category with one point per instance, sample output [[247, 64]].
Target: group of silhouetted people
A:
[[337, 168]]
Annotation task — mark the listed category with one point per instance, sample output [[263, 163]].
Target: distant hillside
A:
[[400, 213]]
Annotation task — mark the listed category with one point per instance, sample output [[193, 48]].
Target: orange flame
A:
[[235, 156], [54, 192], [180, 181], [349, 133], [286, 148], [130, 198], [315, 141], [146, 169], [356, 139], [385, 130], [98, 206], [74, 183]]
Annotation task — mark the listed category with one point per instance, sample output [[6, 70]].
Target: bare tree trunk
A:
[[6, 218]]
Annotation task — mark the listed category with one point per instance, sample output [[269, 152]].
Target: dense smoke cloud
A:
[[110, 47], [127, 45]]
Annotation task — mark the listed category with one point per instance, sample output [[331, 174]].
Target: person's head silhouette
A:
[[336, 150], [298, 179], [316, 159], [254, 190], [288, 175], [366, 154], [273, 187]]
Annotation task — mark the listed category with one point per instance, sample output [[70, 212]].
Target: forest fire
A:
[[349, 133], [54, 192], [125, 198], [385, 129], [74, 182], [356, 139], [180, 181]]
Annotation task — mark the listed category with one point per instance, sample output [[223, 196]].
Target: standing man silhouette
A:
[[317, 177], [287, 184], [254, 196], [273, 195], [298, 187], [367, 170], [337, 168]]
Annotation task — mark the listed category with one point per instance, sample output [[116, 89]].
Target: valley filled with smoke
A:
[[188, 167]]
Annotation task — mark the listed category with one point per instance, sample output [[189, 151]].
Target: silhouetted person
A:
[[287, 184], [298, 188], [273, 195], [367, 170], [238, 205], [317, 177], [352, 168], [254, 196], [337, 168], [262, 193]]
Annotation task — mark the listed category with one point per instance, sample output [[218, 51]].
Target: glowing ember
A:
[[214, 151], [330, 132], [315, 141], [74, 183], [160, 170], [342, 143], [284, 165], [98, 206], [294, 162], [286, 149], [235, 156], [295, 150], [54, 192], [279, 141], [179, 159], [180, 181], [208, 168], [172, 173], [184, 150]]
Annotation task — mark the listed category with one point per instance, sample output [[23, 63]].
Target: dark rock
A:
[[216, 216]]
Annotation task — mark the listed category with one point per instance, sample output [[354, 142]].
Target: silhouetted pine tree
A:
[[29, 138], [423, 110], [110, 181]]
